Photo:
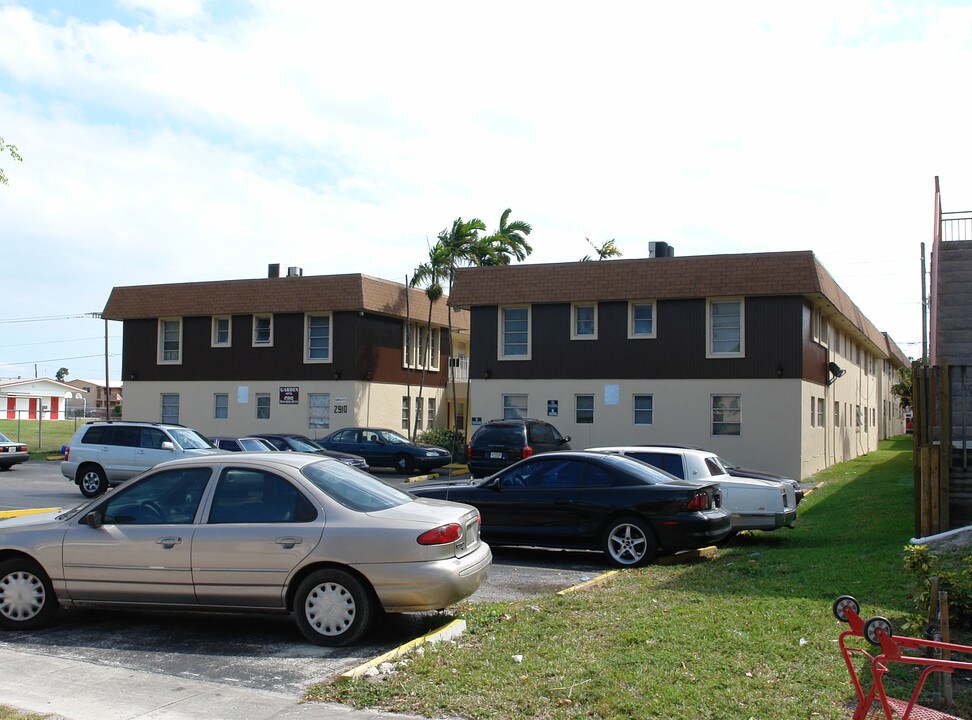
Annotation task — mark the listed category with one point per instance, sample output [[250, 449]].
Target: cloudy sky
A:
[[184, 140]]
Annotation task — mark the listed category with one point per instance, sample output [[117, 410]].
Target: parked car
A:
[[753, 504], [742, 472], [291, 442], [618, 505], [500, 443], [255, 532], [11, 452], [103, 454], [243, 444], [387, 449]]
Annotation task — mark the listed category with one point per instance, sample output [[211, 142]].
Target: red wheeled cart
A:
[[875, 703]]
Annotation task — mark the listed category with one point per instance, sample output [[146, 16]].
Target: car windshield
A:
[[302, 444], [392, 437], [190, 439], [726, 464], [352, 488], [4, 438], [254, 444]]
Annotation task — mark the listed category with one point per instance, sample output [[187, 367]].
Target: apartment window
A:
[[820, 412], [420, 349], [836, 414], [584, 409], [460, 419], [644, 409], [858, 413], [170, 341], [726, 328], [641, 319], [317, 337], [431, 422], [170, 408], [434, 349], [726, 414], [514, 407], [406, 412], [220, 406], [320, 411], [514, 333], [584, 321], [819, 327], [222, 333], [418, 413], [262, 330], [263, 406], [813, 411]]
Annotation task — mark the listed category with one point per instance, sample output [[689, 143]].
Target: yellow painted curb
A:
[[599, 580], [705, 552], [18, 513], [807, 493], [449, 632], [421, 478]]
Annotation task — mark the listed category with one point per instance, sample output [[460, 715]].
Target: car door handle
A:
[[289, 542], [168, 542]]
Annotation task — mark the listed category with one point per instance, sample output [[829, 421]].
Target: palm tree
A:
[[607, 250], [507, 242], [12, 150], [432, 274]]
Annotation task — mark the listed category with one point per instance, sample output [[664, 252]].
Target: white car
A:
[[754, 504]]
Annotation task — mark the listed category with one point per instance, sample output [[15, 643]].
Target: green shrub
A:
[[443, 438], [953, 568]]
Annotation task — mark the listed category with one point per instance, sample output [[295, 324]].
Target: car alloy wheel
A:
[[332, 607], [93, 481], [27, 599], [628, 543]]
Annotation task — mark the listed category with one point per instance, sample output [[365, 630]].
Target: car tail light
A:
[[527, 451], [67, 451], [699, 501], [441, 535], [469, 451]]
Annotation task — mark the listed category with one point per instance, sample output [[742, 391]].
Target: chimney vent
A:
[[294, 271], [273, 270], [660, 249]]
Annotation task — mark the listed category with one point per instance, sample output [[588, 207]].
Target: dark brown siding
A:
[[814, 355], [774, 343], [360, 345]]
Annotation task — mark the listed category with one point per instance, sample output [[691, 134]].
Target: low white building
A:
[[34, 399]]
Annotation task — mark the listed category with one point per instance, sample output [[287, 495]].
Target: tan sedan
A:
[[277, 532]]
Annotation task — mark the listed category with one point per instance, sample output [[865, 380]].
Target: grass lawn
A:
[[748, 634], [8, 713], [52, 434]]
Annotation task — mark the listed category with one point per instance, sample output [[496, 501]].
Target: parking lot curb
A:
[[31, 511], [449, 632], [421, 478], [705, 552], [599, 580]]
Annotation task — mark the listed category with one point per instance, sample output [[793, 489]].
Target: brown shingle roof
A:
[[696, 276], [277, 295]]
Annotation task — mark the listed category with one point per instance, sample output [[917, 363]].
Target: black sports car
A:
[[625, 508]]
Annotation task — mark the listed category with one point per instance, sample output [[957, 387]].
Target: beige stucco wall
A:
[[771, 413], [371, 404]]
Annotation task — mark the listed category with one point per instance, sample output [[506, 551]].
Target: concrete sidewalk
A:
[[81, 690]]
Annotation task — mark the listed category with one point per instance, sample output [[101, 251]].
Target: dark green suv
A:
[[500, 443]]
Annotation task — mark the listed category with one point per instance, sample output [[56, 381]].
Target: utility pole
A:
[[924, 309]]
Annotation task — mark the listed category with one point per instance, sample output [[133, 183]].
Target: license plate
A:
[[496, 456]]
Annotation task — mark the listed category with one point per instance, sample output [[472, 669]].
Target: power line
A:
[[44, 318], [76, 357], [57, 342]]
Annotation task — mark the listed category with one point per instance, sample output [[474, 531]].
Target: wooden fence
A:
[[942, 420]]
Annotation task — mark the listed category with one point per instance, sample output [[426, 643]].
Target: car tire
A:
[[333, 608], [27, 598], [404, 464], [91, 481], [6, 466], [629, 542]]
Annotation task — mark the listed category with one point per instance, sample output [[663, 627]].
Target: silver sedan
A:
[[274, 532]]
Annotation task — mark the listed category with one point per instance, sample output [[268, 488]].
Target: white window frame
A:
[[578, 409], [634, 334], [162, 360], [431, 414], [412, 342], [169, 400], [712, 414], [635, 409], [406, 412], [821, 412], [511, 411], [307, 337], [501, 335], [263, 316], [217, 406], [257, 398], [419, 403], [214, 339], [709, 351], [836, 414], [574, 331]]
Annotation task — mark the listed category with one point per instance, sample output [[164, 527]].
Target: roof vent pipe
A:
[[658, 249], [273, 270], [294, 271]]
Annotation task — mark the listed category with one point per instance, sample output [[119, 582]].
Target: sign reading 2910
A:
[[340, 406]]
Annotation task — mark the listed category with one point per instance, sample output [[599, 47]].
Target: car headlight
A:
[[431, 453]]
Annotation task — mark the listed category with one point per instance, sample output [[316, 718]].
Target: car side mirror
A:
[[167, 445], [94, 519], [564, 440]]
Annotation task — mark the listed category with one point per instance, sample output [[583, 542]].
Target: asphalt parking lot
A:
[[251, 651]]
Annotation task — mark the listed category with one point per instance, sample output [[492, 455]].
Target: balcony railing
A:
[[460, 369], [956, 226]]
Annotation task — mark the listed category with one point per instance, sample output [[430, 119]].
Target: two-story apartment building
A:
[[284, 354], [761, 358]]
